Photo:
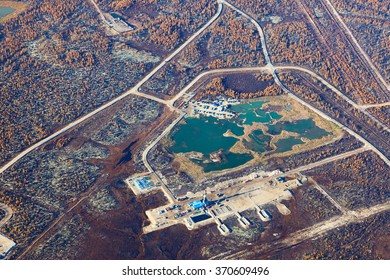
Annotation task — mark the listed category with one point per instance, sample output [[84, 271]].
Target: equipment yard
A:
[[216, 205], [143, 183], [191, 129], [218, 109]]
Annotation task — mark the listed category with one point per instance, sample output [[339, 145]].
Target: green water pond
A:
[[251, 113], [305, 128], [286, 144], [205, 135], [259, 142], [4, 11], [231, 160]]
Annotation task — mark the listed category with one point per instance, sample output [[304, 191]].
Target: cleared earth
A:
[[262, 129]]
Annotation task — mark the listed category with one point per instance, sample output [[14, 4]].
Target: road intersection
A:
[[170, 103], [347, 217]]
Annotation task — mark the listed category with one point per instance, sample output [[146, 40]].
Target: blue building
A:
[[141, 184], [197, 204]]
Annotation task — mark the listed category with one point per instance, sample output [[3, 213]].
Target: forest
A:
[[261, 10], [48, 181], [355, 182], [231, 41], [381, 113], [162, 25], [310, 38], [373, 36], [372, 8], [56, 65], [322, 98]]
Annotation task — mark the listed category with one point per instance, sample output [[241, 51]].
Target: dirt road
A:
[[133, 91], [311, 232]]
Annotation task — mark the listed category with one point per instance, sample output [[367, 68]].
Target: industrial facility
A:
[[142, 183], [218, 109], [213, 206]]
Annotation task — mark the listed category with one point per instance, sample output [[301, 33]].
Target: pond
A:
[[4, 11], [284, 145], [250, 113], [305, 128], [205, 135], [259, 142], [231, 160]]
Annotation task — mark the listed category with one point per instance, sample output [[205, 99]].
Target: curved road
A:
[[307, 233], [133, 91], [259, 30], [292, 95], [165, 132], [210, 72], [269, 64], [8, 214], [167, 191], [357, 136], [276, 78], [270, 68]]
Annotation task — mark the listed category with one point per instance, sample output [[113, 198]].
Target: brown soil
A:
[[244, 83]]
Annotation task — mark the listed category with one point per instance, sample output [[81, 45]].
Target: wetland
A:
[[260, 128]]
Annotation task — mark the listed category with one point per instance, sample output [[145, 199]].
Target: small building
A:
[[224, 230], [197, 204], [141, 184]]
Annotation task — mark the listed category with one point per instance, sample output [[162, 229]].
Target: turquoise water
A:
[[4, 11], [275, 115], [231, 160], [251, 113], [244, 107], [284, 145], [205, 135], [259, 142], [305, 128]]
